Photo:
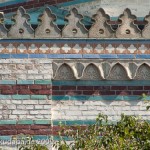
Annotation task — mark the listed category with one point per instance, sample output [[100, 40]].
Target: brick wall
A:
[[31, 4]]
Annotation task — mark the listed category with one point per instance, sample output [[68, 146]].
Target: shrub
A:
[[130, 133]]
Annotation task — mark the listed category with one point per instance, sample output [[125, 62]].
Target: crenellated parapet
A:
[[74, 26]]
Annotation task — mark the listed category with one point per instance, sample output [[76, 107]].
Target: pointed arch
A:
[[64, 72], [118, 72], [143, 72], [91, 72]]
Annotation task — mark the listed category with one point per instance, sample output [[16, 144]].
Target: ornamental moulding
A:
[[74, 27], [101, 70]]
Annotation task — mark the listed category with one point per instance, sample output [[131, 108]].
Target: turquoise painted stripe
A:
[[43, 82], [38, 97], [21, 97], [25, 81], [5, 138], [98, 98], [29, 122], [6, 97], [103, 83], [7, 122], [78, 122], [42, 121], [7, 81], [25, 122]]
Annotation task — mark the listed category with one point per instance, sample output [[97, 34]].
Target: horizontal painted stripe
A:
[[29, 122], [102, 83], [77, 40], [98, 98], [79, 56], [34, 137], [25, 97], [24, 82]]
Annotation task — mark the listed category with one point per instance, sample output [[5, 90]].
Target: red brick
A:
[[139, 92], [5, 92], [73, 92], [118, 88], [22, 126], [28, 6], [135, 87], [45, 92], [19, 87], [35, 87], [84, 87], [8, 132], [34, 91], [146, 87], [7, 127], [39, 127], [123, 92], [38, 4], [49, 87], [55, 87], [107, 93], [88, 92], [101, 87], [67, 87], [29, 132], [25, 91], [5, 87], [50, 2], [43, 132], [58, 92]]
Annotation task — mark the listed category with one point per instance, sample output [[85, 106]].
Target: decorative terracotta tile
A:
[[54, 48], [22, 48], [120, 49], [66, 49], [87, 49], [44, 48], [110, 48], [33, 48], [2, 48], [131, 48], [143, 49], [10, 48], [77, 49], [99, 48]]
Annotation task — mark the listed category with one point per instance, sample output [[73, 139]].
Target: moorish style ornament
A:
[[47, 28], [101, 28], [118, 72], [3, 29], [74, 28], [146, 30], [64, 72], [143, 72], [128, 29], [21, 28]]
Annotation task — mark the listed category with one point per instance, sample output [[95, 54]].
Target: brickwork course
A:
[[67, 69]]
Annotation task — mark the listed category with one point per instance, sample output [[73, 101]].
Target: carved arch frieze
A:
[[3, 29], [146, 30], [75, 28], [118, 72], [101, 28], [47, 27], [143, 72], [64, 72], [128, 29], [21, 28], [91, 72]]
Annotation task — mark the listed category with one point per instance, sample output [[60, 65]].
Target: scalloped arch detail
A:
[[118, 72], [64, 72], [91, 72], [143, 72]]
